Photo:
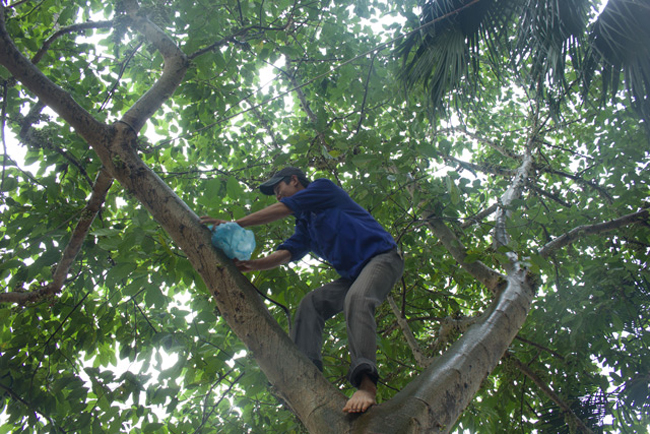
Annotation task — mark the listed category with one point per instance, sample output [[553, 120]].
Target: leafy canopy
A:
[[131, 298]]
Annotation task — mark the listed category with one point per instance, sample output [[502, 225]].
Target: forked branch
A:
[[52, 95]]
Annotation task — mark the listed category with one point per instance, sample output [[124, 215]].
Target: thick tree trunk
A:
[[433, 402]]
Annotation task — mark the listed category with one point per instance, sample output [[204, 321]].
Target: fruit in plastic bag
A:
[[235, 241]]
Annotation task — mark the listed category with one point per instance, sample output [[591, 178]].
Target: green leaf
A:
[[233, 188], [152, 427], [363, 160]]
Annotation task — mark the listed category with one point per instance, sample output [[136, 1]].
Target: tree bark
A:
[[433, 402]]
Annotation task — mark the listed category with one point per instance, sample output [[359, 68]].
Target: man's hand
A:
[[276, 258], [266, 215], [207, 220], [246, 266]]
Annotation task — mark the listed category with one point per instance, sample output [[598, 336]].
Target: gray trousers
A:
[[358, 299]]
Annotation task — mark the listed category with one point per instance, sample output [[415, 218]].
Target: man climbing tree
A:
[[332, 225]]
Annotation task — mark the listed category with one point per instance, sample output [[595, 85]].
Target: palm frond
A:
[[540, 39], [550, 32], [445, 51], [620, 42], [590, 409]]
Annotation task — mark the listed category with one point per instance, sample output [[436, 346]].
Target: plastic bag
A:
[[235, 241]]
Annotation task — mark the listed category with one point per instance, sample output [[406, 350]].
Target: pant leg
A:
[[366, 293], [314, 309]]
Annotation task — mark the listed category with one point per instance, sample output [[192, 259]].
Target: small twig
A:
[[538, 346], [135, 303], [125, 63], [365, 94], [566, 409], [420, 358], [214, 407], [3, 120]]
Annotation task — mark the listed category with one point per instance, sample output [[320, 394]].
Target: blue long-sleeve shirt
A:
[[333, 226]]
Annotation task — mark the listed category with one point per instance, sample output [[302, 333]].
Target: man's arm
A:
[[269, 214], [273, 260]]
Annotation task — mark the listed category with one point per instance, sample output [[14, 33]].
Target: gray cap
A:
[[268, 186]]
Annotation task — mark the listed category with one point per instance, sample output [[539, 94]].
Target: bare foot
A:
[[362, 399]]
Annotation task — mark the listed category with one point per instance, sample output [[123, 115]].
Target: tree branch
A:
[[66, 30], [15, 397], [492, 169], [176, 63], [501, 237], [206, 414], [305, 106], [265, 123], [540, 347], [241, 32], [18, 3], [102, 184], [3, 120], [448, 325], [581, 181], [123, 67], [576, 233], [220, 42], [582, 428], [512, 193], [38, 139], [484, 274], [553, 197], [52, 95], [365, 93], [478, 217]]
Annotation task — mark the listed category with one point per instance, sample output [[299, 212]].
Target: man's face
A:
[[283, 189]]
